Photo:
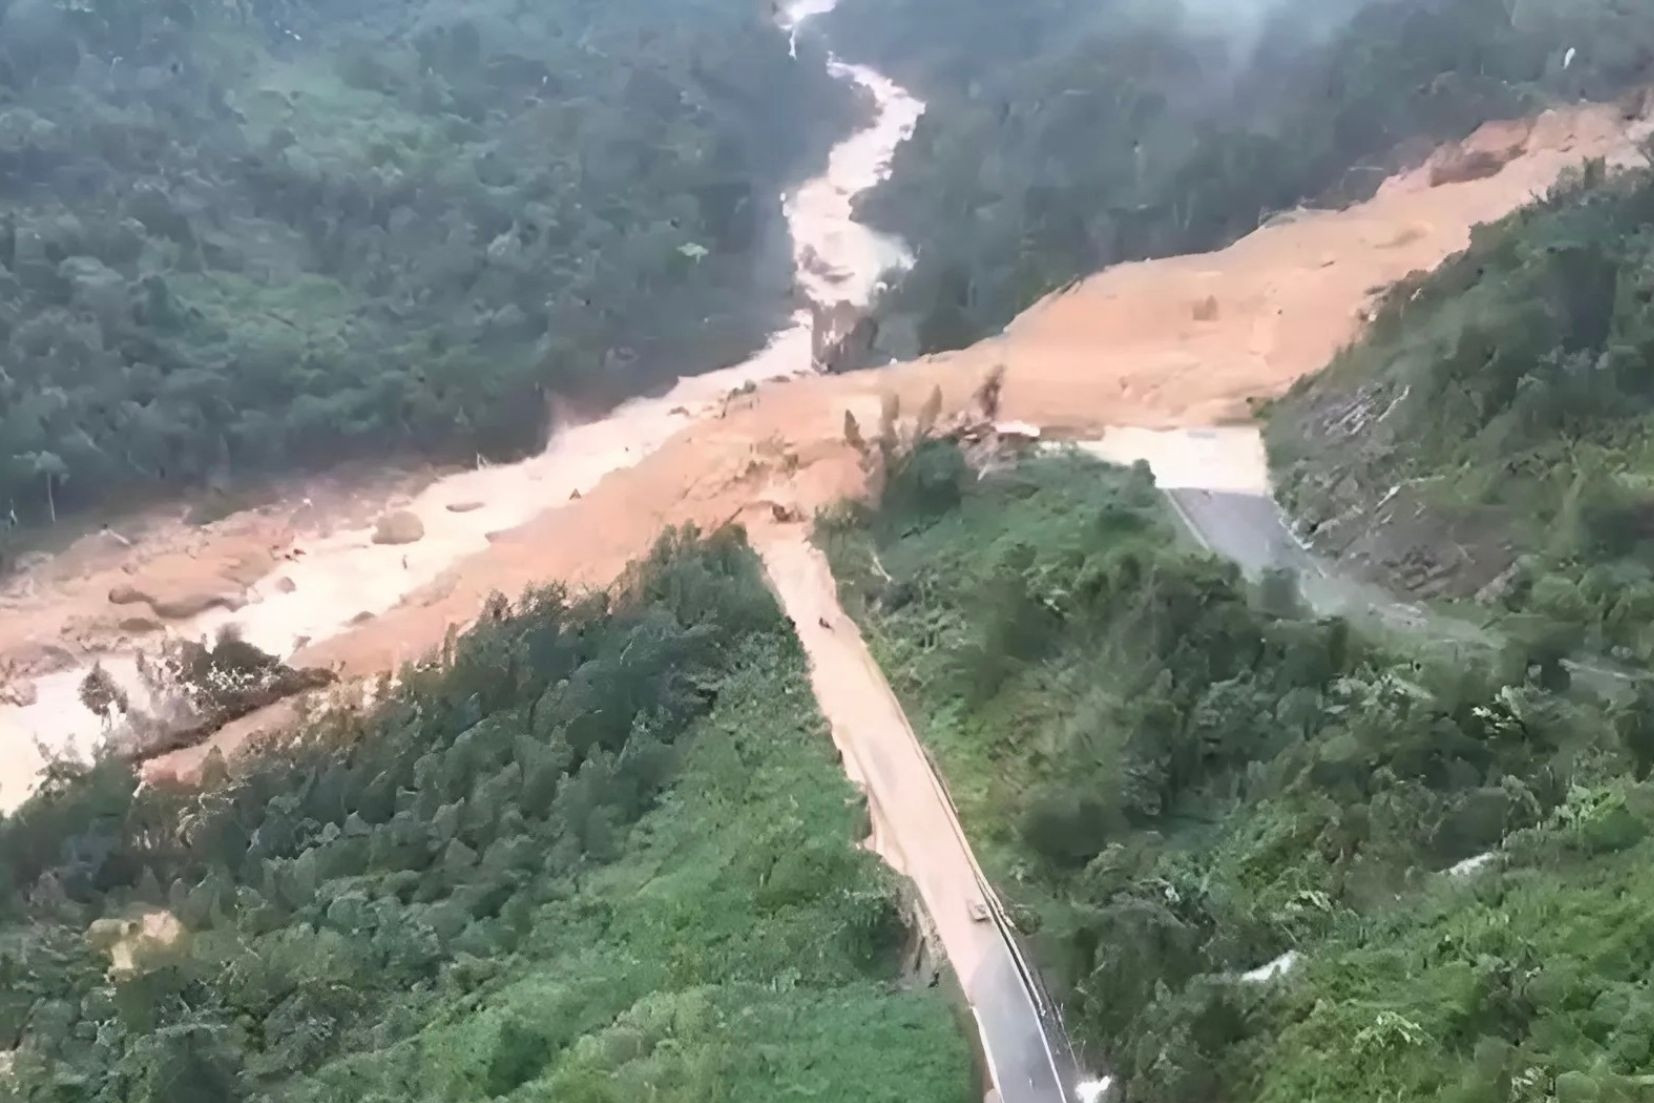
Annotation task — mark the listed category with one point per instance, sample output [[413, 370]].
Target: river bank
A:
[[292, 576], [1185, 341]]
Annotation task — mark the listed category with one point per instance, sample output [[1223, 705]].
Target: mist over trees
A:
[[247, 237], [1064, 136]]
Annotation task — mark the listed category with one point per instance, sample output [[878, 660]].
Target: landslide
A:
[[1193, 340], [243, 240], [1062, 136]]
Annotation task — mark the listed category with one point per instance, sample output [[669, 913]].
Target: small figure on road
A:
[[823, 622]]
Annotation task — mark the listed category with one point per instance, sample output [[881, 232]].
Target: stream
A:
[[344, 576]]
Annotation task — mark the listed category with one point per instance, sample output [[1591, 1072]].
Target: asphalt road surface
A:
[[1246, 528], [1251, 530]]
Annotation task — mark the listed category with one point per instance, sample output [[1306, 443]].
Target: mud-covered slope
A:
[[1066, 135], [1186, 341], [1491, 434]]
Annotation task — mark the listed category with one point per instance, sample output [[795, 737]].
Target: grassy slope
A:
[[713, 959], [1531, 981], [605, 852]]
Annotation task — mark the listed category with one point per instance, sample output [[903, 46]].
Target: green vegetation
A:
[[1173, 787], [1066, 135], [1495, 427], [602, 852], [243, 237]]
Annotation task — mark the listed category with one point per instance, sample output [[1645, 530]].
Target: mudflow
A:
[[1186, 341]]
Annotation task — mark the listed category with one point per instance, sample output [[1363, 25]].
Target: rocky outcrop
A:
[[18, 691], [33, 657], [206, 688], [842, 337]]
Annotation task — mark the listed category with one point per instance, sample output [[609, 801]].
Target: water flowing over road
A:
[[1217, 483]]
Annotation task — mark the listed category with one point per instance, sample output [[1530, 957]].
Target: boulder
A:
[[127, 594], [176, 598], [1461, 166], [189, 603], [463, 507], [285, 585], [34, 657], [139, 624], [20, 693], [399, 527]]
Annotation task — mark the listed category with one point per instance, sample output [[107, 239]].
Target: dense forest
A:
[[1260, 856], [1062, 136], [602, 852], [240, 237], [1493, 432]]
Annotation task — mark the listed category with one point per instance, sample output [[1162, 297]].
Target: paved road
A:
[[916, 829], [1247, 528], [1251, 530]]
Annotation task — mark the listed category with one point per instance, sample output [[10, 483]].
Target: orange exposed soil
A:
[[1185, 341], [1128, 346], [57, 606]]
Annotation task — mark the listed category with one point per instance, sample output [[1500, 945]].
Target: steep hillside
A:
[[601, 852], [1262, 858], [1492, 431], [1063, 136], [253, 237]]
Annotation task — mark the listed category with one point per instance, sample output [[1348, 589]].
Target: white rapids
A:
[[344, 574]]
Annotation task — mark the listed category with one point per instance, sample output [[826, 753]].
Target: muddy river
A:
[[343, 577]]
